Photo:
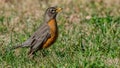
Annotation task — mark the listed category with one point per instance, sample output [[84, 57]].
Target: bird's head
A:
[[51, 13]]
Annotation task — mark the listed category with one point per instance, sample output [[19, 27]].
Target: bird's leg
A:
[[31, 54]]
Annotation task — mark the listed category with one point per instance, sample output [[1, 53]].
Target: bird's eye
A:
[[52, 11]]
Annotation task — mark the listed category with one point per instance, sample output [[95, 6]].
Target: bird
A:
[[45, 35]]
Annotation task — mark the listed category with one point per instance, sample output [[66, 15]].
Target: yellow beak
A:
[[59, 9]]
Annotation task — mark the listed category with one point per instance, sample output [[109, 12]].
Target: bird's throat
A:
[[53, 26]]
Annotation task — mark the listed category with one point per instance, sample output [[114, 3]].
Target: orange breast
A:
[[54, 33]]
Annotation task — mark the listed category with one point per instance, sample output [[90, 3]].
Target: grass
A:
[[89, 34]]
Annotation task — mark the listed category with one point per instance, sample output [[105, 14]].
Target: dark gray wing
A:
[[39, 42], [36, 40], [40, 36]]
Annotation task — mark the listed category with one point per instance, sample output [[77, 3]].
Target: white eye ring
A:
[[52, 11]]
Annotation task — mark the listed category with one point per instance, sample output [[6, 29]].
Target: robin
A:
[[46, 34]]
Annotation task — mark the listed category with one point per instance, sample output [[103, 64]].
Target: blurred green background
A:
[[89, 33]]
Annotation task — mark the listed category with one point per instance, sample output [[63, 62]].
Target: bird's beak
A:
[[58, 9]]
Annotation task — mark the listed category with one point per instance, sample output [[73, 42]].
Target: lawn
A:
[[89, 34]]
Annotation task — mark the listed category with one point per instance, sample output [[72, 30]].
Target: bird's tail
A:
[[19, 46], [15, 47]]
